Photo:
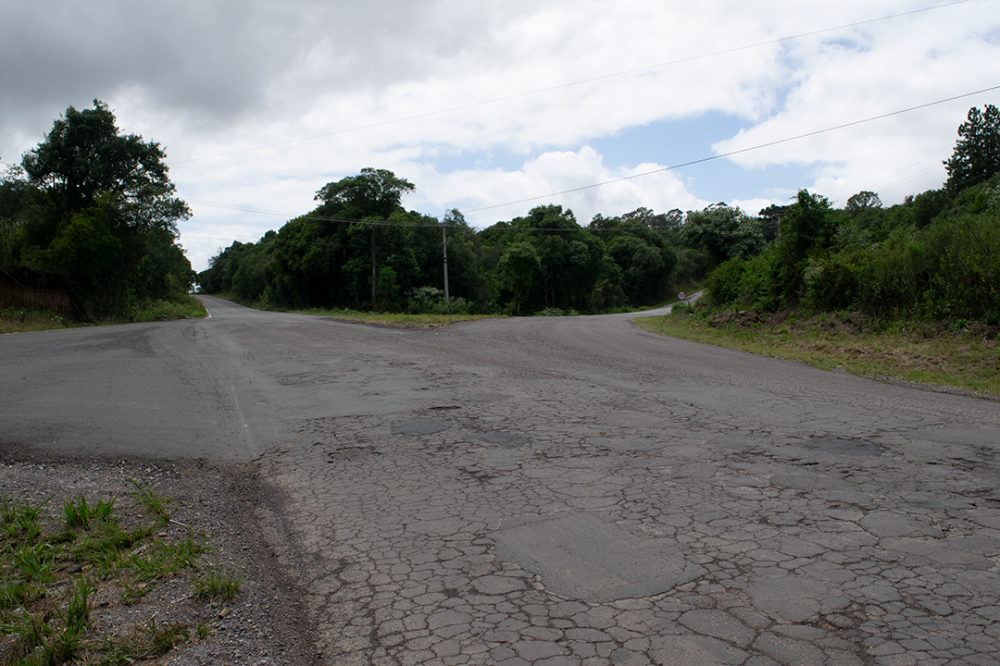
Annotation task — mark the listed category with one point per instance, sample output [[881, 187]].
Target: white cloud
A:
[[888, 67], [432, 80], [539, 181]]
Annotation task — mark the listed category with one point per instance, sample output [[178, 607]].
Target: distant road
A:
[[566, 489]]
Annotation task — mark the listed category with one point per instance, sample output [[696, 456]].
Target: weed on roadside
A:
[[146, 641], [157, 505], [216, 582], [78, 513], [52, 567]]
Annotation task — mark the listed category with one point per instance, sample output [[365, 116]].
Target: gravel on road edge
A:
[[264, 625]]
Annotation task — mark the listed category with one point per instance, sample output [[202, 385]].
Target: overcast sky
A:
[[495, 107]]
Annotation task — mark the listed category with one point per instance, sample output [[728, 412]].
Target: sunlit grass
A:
[[963, 357]]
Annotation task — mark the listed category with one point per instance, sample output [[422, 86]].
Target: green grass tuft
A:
[[156, 505], [216, 582], [78, 513], [48, 578]]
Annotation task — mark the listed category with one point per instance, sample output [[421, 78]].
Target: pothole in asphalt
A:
[[580, 556], [514, 439], [419, 427], [351, 453], [844, 447]]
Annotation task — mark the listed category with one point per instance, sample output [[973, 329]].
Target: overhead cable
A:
[[604, 77]]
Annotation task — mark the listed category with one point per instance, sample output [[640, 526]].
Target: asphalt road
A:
[[553, 491]]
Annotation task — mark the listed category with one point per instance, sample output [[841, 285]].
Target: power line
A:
[[608, 182], [733, 152], [581, 82]]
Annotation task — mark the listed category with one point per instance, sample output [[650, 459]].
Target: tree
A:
[[637, 245], [770, 220], [569, 257], [84, 156], [643, 269], [725, 232], [807, 227], [861, 202], [372, 193], [519, 272], [977, 153], [99, 191]]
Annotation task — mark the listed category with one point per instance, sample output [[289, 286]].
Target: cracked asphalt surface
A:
[[551, 492]]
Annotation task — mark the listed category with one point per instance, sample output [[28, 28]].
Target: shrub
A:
[[725, 282], [430, 300]]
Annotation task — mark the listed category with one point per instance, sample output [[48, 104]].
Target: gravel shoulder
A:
[[262, 626]]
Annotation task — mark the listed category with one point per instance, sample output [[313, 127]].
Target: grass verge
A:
[[377, 318], [406, 320], [26, 320], [959, 354], [55, 565]]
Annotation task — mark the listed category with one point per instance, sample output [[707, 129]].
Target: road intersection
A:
[[575, 491]]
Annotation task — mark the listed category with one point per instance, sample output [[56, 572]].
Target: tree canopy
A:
[[97, 207], [360, 248], [372, 193], [977, 154], [933, 254]]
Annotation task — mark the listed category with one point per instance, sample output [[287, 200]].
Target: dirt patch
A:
[[740, 319], [264, 625]]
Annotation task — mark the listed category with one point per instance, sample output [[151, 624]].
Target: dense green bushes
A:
[[543, 261], [888, 264]]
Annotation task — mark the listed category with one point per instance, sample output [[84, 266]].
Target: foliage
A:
[[431, 300], [96, 207], [147, 640], [755, 284], [78, 513], [725, 232], [216, 582], [372, 193], [545, 259], [931, 256], [886, 263], [645, 260], [976, 157], [862, 202]]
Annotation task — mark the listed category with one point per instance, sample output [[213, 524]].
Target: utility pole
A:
[[373, 268], [444, 236]]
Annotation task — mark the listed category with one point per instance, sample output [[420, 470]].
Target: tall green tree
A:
[[107, 196], [372, 193], [807, 227], [334, 256], [635, 242], [84, 156], [977, 154], [569, 257], [726, 232]]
